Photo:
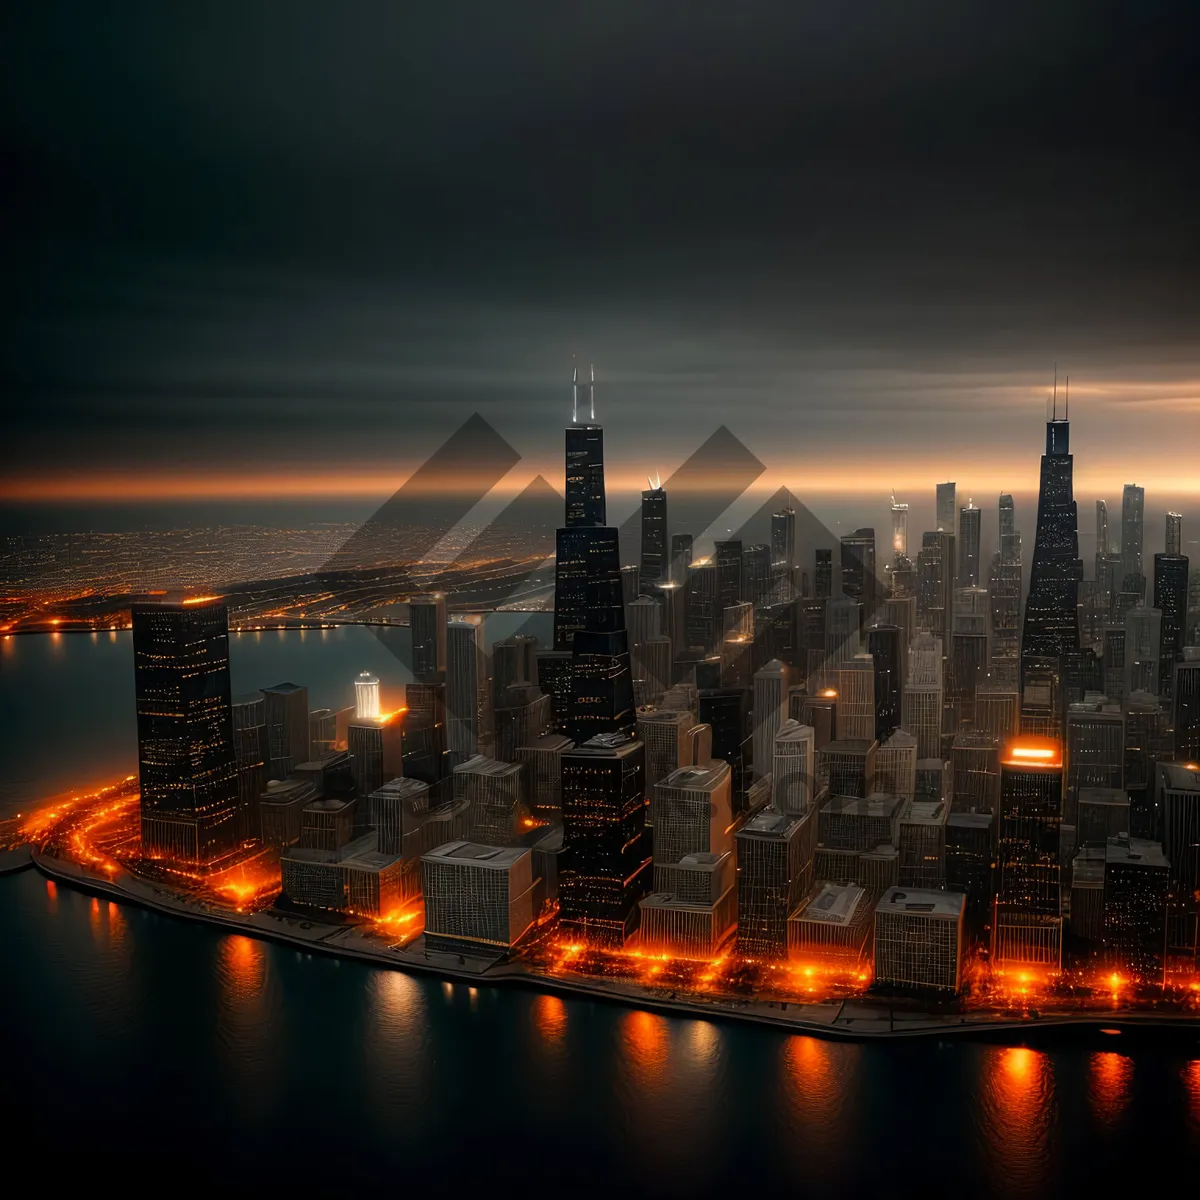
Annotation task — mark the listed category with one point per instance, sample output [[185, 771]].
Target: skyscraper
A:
[[1174, 537], [783, 538], [823, 574], [1171, 599], [681, 556], [899, 530], [884, 647], [947, 508], [770, 712], [1101, 539], [655, 563], [858, 568], [427, 617], [468, 699], [585, 462], [969, 530], [1051, 610], [366, 696], [287, 728], [1185, 706], [187, 767], [730, 585], [703, 620], [1006, 598], [1133, 503]]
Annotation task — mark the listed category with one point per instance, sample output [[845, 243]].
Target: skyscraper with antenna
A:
[[585, 460]]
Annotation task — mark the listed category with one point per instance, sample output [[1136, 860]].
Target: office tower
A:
[[514, 660], [901, 611], [468, 699], [586, 556], [858, 568], [757, 573], [521, 714], [903, 583], [774, 862], [823, 574], [975, 772], [602, 685], [286, 711], [1173, 544], [1136, 884], [1051, 609], [1171, 599], [969, 860], [783, 537], [843, 636], [681, 556], [819, 712], [935, 583], [737, 645], [859, 823], [250, 753], [366, 696], [1133, 502], [1027, 923], [495, 794], [279, 809], [479, 899], [884, 648], [770, 711], [703, 613], [998, 711], [585, 467], [655, 563], [947, 508], [899, 530], [1113, 660], [656, 667], [730, 585], [423, 731], [1102, 813], [376, 747], [695, 913], [427, 618], [672, 597], [327, 822], [1095, 753], [969, 531], [923, 695], [1179, 792], [692, 813], [832, 925], [921, 841], [855, 681], [846, 767], [387, 807], [353, 878], [541, 760], [1143, 643], [724, 710], [919, 940], [187, 766], [644, 624], [668, 741], [1185, 706], [1006, 598], [631, 583], [1148, 741], [603, 864], [970, 650], [793, 769], [1103, 576], [896, 765]]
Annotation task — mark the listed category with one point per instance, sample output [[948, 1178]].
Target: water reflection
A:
[[1017, 1116], [118, 928], [242, 966], [817, 1090], [51, 895], [550, 1017], [1110, 1079], [644, 1036], [1191, 1082], [94, 918]]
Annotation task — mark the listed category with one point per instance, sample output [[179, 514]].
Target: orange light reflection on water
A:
[[1109, 1084], [647, 1049], [243, 967], [550, 1017], [1191, 1083], [1018, 1098]]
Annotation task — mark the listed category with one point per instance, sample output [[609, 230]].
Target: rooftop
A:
[[879, 805], [498, 858], [848, 746], [834, 904], [926, 812], [698, 778], [1134, 852], [480, 764], [1101, 795], [1181, 777], [284, 689], [917, 900], [970, 820], [770, 823]]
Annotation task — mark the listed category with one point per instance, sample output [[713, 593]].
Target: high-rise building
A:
[[1051, 626], [1027, 922], [770, 712], [935, 583], [495, 795], [843, 631], [920, 940], [376, 748], [1171, 600], [631, 583], [947, 508], [1006, 598], [970, 527], [250, 752], [896, 765], [1102, 575], [1179, 793], [975, 772], [521, 714], [858, 568], [286, 711], [730, 584], [1095, 753], [775, 870], [541, 759], [585, 556], [427, 617], [672, 597], [603, 863], [655, 563], [681, 556], [187, 765], [970, 650], [1185, 706], [1133, 503], [468, 697], [703, 612], [585, 504], [899, 530], [783, 537], [1174, 534], [366, 696], [757, 573], [969, 858], [1143, 644], [884, 645], [666, 734], [923, 695], [1136, 885], [691, 811], [793, 770], [514, 660], [921, 840], [823, 574]]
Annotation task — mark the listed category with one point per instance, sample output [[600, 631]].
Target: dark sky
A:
[[256, 244]]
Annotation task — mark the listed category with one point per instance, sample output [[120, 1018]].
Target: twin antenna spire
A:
[[1054, 400], [575, 395]]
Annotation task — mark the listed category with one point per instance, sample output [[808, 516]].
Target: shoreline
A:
[[854, 1020]]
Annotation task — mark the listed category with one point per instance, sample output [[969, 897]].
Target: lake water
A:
[[170, 1054]]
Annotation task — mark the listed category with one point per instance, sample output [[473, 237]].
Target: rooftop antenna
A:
[[1068, 417], [1055, 417], [575, 396], [592, 392]]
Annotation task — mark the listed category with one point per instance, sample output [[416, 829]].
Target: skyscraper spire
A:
[[592, 392], [575, 395]]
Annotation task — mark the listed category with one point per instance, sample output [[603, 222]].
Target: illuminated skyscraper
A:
[[1174, 538], [884, 647], [1006, 598], [187, 768], [691, 811], [770, 712], [585, 463], [783, 538], [655, 563], [923, 695], [1051, 609], [757, 573], [1133, 503], [1136, 883], [899, 530], [703, 614], [1171, 599], [947, 508], [428, 627], [366, 696], [1185, 706], [969, 531]]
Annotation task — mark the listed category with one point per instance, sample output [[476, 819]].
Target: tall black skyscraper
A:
[[655, 564], [783, 538], [730, 584], [969, 529], [681, 556], [823, 574], [585, 463], [1051, 627], [883, 645], [858, 568], [186, 760], [1171, 599], [1133, 503]]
